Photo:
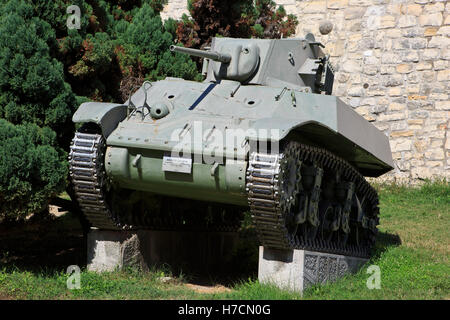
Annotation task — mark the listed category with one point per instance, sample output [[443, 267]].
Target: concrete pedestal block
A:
[[186, 251], [297, 270]]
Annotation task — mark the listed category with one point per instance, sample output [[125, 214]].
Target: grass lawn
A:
[[412, 252]]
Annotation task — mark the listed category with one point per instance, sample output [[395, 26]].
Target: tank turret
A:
[[293, 63]]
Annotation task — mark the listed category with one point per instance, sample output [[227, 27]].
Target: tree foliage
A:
[[234, 18], [32, 86], [120, 42], [143, 43], [31, 169], [36, 105]]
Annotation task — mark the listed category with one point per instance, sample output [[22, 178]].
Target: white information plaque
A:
[[175, 164]]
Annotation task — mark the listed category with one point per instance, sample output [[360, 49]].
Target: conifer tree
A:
[[36, 105]]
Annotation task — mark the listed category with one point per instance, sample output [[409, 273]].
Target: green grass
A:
[[110, 285], [412, 253]]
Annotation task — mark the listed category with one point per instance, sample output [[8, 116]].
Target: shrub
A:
[[142, 49], [32, 169], [120, 42], [36, 105], [145, 44], [32, 86], [234, 18]]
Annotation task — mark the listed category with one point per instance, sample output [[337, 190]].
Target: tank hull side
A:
[[223, 183]]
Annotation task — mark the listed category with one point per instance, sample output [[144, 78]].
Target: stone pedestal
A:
[[185, 251], [297, 270]]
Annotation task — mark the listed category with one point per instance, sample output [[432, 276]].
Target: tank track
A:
[[92, 191], [88, 178], [280, 204]]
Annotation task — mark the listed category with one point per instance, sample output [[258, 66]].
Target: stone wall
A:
[[174, 9], [392, 61]]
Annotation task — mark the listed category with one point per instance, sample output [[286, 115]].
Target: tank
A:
[[261, 134]]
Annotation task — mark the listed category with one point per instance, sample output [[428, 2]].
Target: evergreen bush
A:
[[32, 169], [36, 105]]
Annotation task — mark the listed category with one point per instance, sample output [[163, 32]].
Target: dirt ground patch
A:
[[56, 211], [207, 289]]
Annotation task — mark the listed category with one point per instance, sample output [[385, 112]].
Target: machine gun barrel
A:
[[213, 55]]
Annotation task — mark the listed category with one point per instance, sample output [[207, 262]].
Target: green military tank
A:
[[262, 133]]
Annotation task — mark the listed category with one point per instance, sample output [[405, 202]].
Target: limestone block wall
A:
[[174, 9], [392, 62]]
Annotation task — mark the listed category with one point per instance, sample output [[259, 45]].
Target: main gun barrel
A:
[[213, 55]]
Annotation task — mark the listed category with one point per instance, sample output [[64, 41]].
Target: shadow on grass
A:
[[384, 242], [47, 245], [44, 243]]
